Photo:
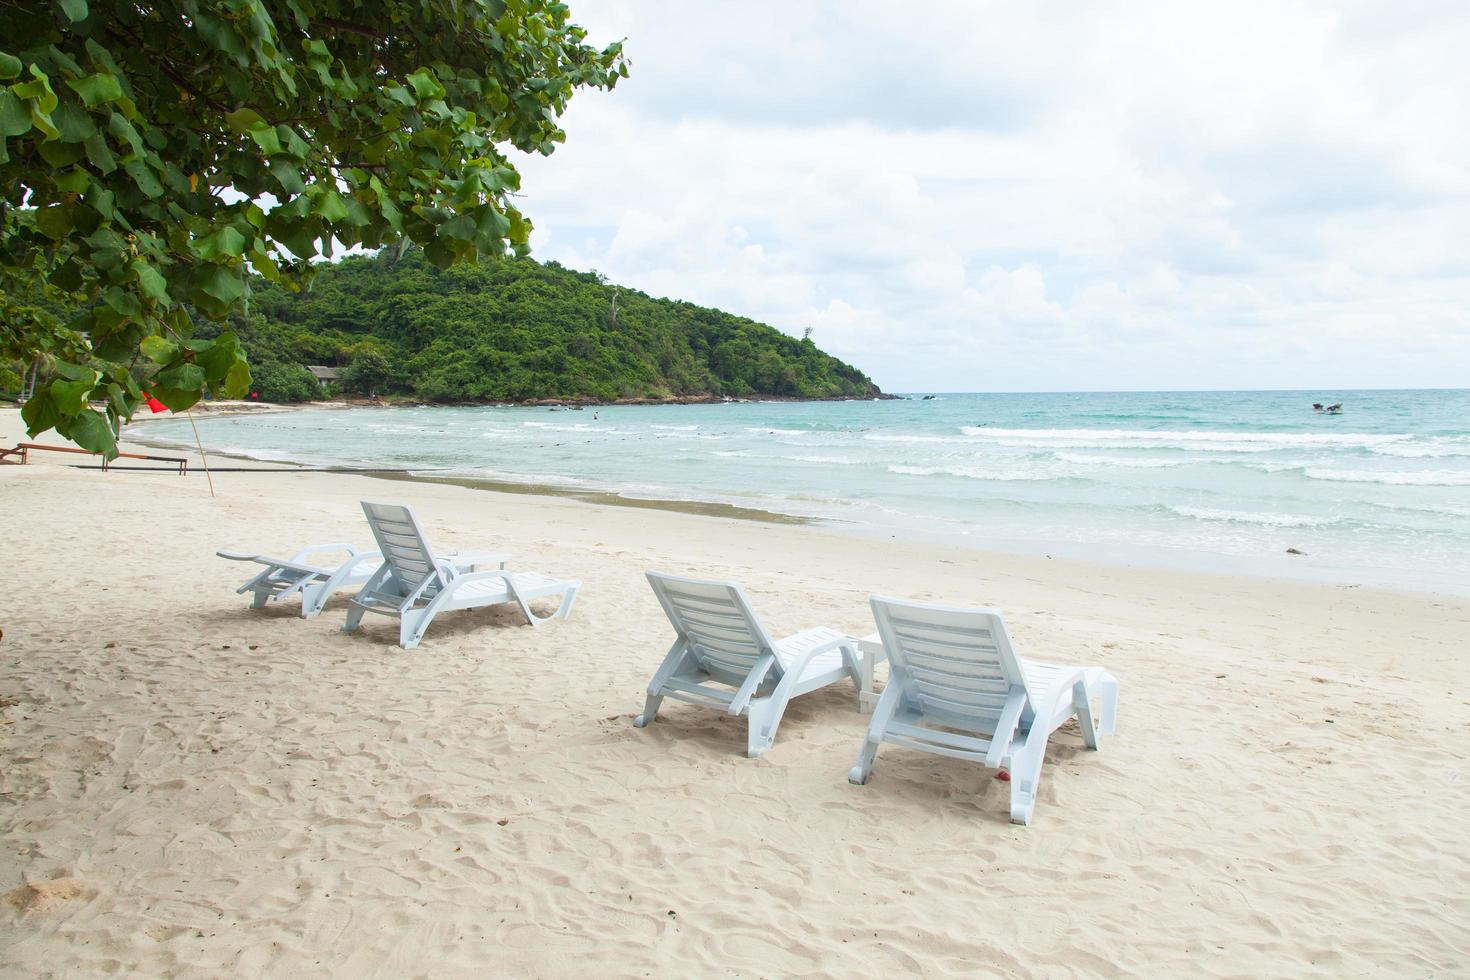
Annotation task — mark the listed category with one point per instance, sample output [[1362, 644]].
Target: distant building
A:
[[324, 375]]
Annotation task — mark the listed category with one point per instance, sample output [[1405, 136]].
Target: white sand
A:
[[189, 786]]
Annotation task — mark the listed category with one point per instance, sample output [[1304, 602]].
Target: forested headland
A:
[[513, 329]]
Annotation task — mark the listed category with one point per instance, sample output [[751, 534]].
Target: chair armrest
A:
[[1005, 729], [319, 548], [465, 559]]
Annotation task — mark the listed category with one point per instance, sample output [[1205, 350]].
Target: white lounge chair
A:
[[415, 586], [282, 577], [720, 640], [958, 669]]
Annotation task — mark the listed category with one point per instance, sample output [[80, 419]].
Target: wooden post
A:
[[202, 458]]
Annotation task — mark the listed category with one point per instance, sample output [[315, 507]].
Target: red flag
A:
[[155, 404]]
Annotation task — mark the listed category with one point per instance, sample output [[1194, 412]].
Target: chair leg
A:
[[260, 598], [1107, 690], [567, 598], [650, 710], [411, 627], [562, 610], [882, 715], [858, 774], [852, 661], [354, 617], [1025, 776], [313, 598], [1082, 704], [763, 717]]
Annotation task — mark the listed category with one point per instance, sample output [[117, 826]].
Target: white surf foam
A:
[[1420, 478]]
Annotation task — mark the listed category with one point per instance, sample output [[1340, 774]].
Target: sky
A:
[[975, 196]]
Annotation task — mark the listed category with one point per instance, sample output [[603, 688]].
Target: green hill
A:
[[518, 330]]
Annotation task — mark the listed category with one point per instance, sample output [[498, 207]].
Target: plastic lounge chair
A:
[[720, 640], [415, 586], [958, 669], [283, 577]]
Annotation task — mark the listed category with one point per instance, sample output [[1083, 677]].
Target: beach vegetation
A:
[[158, 157], [513, 329]]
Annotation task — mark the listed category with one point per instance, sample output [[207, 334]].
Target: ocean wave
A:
[[1123, 461], [730, 452], [914, 438], [1175, 438], [974, 473], [675, 428], [1433, 448], [1419, 478], [578, 427], [772, 430], [1254, 517], [835, 460]]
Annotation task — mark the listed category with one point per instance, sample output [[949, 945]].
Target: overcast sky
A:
[[980, 196]]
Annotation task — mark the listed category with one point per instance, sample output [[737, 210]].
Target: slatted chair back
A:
[[956, 666], [716, 620], [405, 549]]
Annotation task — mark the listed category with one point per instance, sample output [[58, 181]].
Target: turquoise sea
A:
[[1227, 481]]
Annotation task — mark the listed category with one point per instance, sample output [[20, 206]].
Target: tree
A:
[[156, 151], [369, 371]]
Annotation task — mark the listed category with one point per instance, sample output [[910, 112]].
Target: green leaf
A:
[[60, 154], [73, 122], [287, 176], [75, 372], [243, 120], [330, 206], [221, 283], [39, 413], [159, 350], [10, 65], [55, 222], [176, 399], [74, 181], [265, 137], [151, 282], [75, 10], [143, 176], [99, 154], [122, 301], [15, 115], [226, 241], [96, 89], [71, 396], [184, 377], [425, 86], [237, 379], [91, 431]]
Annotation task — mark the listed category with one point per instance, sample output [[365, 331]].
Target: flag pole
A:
[[203, 458]]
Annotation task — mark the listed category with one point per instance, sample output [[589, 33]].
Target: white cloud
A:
[[1121, 194]]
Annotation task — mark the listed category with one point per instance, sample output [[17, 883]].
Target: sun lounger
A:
[[282, 577], [415, 586], [721, 641], [956, 687]]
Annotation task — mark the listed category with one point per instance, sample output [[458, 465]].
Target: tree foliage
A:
[[513, 329], [155, 152]]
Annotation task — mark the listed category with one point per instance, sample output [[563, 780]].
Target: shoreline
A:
[[1258, 568]]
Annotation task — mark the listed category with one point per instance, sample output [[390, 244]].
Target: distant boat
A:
[[1321, 409]]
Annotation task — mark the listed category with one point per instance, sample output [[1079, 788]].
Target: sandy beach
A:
[[188, 786]]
